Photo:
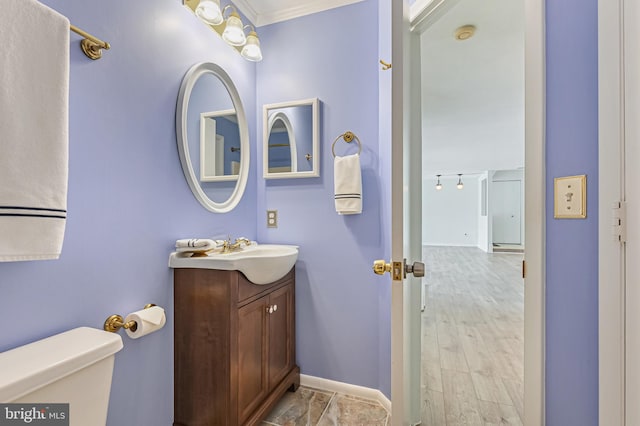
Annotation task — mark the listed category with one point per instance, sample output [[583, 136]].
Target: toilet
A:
[[73, 367]]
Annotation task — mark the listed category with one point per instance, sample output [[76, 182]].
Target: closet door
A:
[[506, 203]]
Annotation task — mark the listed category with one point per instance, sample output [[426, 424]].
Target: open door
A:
[[405, 267]]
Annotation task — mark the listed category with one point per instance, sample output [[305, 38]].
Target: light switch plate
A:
[[570, 197]]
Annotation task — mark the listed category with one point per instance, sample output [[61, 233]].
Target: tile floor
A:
[[308, 406]]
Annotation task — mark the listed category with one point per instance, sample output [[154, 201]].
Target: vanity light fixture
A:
[[233, 32], [209, 12], [231, 28], [251, 50], [460, 185], [438, 185]]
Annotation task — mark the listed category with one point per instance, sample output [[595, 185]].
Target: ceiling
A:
[[472, 91]]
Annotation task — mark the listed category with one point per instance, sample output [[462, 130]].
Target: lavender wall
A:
[[128, 199], [332, 56], [572, 245]]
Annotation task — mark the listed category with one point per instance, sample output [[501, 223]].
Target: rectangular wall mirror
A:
[[291, 139]]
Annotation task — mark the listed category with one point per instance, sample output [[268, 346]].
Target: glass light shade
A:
[[460, 185], [209, 12], [438, 186], [251, 50], [234, 33]]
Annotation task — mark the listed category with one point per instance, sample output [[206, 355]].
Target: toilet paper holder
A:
[[116, 322]]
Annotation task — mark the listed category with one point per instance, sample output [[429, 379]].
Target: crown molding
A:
[[247, 10], [297, 11]]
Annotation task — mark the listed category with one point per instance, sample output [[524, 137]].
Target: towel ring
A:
[[348, 138]]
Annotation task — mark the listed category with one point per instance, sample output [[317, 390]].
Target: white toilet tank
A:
[[73, 367]]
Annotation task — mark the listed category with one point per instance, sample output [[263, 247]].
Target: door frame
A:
[[611, 253], [534, 314]]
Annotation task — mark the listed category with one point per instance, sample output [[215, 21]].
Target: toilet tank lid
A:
[[32, 366]]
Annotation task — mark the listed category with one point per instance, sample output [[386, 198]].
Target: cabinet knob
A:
[[275, 308], [270, 309]]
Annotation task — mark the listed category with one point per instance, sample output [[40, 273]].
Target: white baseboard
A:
[[449, 244], [346, 388]]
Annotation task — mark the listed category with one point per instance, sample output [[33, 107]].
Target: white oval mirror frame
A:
[[313, 156], [189, 80]]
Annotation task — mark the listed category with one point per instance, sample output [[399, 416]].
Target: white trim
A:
[[186, 87], [307, 8], [346, 388], [611, 292], [315, 140], [534, 298]]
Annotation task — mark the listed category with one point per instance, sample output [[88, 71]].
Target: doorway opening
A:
[[473, 84]]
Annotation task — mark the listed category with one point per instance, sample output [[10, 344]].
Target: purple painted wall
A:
[[332, 56], [128, 199], [572, 245]]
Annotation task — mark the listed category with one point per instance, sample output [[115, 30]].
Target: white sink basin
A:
[[260, 263]]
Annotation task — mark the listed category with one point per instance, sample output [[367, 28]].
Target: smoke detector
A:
[[465, 32]]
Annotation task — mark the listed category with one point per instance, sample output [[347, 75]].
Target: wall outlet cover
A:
[[272, 218]]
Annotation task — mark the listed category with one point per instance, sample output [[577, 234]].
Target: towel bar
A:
[[91, 46], [348, 138]]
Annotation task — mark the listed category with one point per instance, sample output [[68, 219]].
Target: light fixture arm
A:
[[229, 6]]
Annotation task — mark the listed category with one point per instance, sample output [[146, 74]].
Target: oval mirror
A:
[[290, 135], [213, 137]]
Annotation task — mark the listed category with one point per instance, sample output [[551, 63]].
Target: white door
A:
[[619, 206], [506, 201], [406, 212]]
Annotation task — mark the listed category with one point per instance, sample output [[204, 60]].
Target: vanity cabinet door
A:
[[280, 334], [252, 354]]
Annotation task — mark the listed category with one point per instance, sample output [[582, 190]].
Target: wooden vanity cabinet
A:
[[234, 347]]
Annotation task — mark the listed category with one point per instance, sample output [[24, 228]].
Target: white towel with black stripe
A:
[[347, 182], [34, 129], [195, 244]]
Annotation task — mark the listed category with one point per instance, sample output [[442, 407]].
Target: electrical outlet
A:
[[272, 218], [570, 197]]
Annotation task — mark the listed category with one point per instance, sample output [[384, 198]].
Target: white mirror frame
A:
[[189, 80], [315, 139]]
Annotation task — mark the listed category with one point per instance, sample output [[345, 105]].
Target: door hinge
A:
[[524, 269], [619, 221]]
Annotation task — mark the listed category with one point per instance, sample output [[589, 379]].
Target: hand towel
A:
[[195, 244], [347, 183], [34, 97]]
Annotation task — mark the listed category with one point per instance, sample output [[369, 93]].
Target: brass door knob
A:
[[380, 267]]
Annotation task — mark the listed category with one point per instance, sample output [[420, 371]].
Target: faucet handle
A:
[[243, 240]]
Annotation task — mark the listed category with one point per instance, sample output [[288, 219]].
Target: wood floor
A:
[[473, 338]]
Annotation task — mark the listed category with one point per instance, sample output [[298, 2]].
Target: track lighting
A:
[[231, 29], [438, 184], [459, 185]]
